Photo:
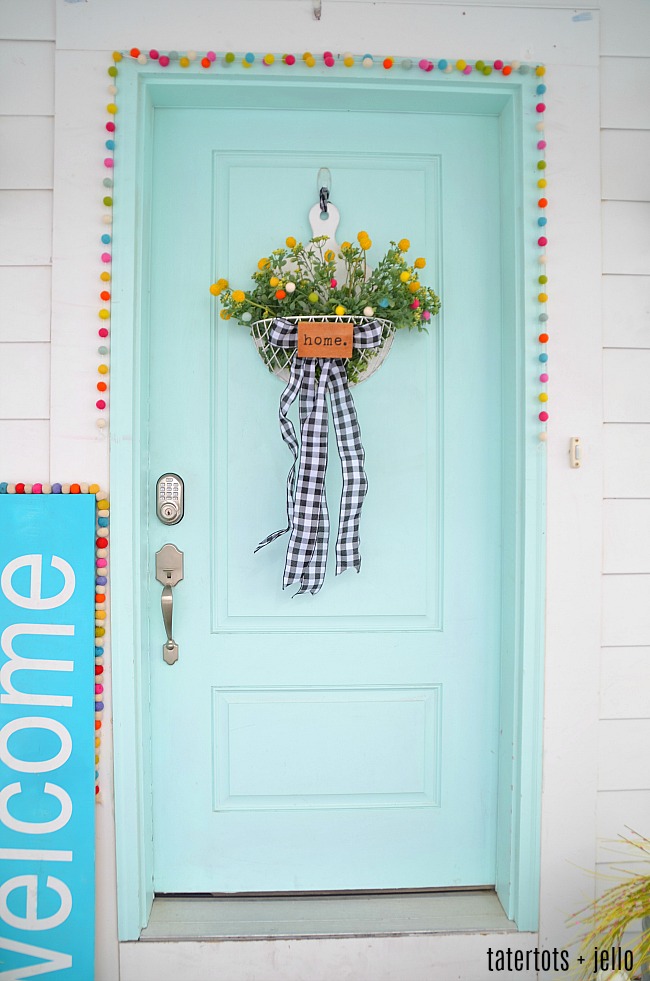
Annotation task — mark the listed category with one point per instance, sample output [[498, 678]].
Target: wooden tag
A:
[[318, 339]]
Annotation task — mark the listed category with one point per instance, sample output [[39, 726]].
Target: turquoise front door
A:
[[346, 740]]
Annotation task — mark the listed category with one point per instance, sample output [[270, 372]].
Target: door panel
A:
[[345, 740]]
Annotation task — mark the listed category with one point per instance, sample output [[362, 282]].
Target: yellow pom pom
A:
[[540, 70], [403, 245], [405, 276], [184, 62], [420, 263], [291, 242], [414, 286], [273, 281], [339, 311]]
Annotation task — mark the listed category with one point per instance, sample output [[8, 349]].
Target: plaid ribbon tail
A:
[[355, 482], [307, 514], [289, 395]]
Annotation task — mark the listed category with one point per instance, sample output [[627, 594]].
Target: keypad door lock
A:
[[169, 498]]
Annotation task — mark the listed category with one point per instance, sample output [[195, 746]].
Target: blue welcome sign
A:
[[47, 772]]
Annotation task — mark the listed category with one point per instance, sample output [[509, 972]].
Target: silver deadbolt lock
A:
[[169, 498]]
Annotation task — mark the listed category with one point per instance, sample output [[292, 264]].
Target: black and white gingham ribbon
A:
[[307, 515]]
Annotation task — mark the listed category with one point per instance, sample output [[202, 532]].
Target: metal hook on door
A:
[[324, 184]]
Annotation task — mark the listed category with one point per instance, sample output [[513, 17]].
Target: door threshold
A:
[[326, 915]]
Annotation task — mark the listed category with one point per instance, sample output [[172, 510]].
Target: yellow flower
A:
[[218, 287], [329, 256], [420, 263], [403, 245], [346, 245], [365, 243], [405, 276], [291, 242], [362, 235], [339, 311], [414, 286], [238, 296], [274, 281], [263, 263], [224, 315]]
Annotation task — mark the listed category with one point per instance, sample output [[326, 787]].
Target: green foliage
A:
[[605, 921], [301, 280]]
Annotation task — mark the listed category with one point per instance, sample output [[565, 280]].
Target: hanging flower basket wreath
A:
[[322, 321]]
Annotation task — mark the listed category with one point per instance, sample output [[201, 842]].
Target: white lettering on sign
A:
[[55, 960], [35, 827], [31, 921], [24, 893], [35, 601], [35, 766], [18, 663]]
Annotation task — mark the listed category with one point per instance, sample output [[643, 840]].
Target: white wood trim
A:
[[439, 958], [397, 27]]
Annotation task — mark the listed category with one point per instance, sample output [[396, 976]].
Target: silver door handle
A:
[[169, 572]]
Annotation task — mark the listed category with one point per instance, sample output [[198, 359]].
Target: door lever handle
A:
[[169, 572]]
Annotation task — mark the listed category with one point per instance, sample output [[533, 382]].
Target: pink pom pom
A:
[[211, 56], [426, 315], [290, 59], [106, 257], [37, 489], [110, 127], [467, 70], [163, 61], [498, 64], [542, 240], [543, 416], [101, 563], [108, 162], [543, 377], [333, 283], [103, 331], [415, 304], [153, 54]]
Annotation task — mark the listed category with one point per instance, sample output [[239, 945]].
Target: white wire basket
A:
[[360, 366]]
